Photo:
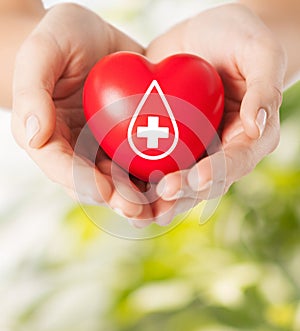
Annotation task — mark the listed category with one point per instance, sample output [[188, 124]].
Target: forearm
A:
[[17, 20], [23, 6], [282, 17]]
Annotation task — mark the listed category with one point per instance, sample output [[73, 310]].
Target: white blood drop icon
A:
[[153, 132]]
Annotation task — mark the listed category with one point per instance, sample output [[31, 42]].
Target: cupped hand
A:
[[47, 118], [252, 66]]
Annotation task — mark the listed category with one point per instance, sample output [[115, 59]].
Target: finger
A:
[[263, 64], [57, 160], [163, 214], [166, 211], [127, 200], [154, 200], [38, 66], [232, 126], [212, 176], [172, 186], [105, 165], [204, 181], [140, 224], [241, 155], [83, 199], [132, 212], [141, 185]]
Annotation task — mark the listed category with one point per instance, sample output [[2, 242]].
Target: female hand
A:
[[47, 118], [252, 66]]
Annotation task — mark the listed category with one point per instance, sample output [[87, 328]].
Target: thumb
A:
[[264, 72], [37, 69]]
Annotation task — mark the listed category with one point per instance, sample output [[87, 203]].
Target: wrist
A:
[[25, 7]]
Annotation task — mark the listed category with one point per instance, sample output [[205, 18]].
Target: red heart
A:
[[153, 119]]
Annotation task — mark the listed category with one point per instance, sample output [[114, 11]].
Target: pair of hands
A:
[[47, 119]]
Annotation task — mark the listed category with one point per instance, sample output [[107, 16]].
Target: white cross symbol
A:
[[152, 132]]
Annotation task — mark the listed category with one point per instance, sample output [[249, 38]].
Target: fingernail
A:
[[165, 218], [32, 128], [161, 187], [119, 212], [139, 224], [205, 186], [164, 221], [86, 200], [122, 213], [165, 192], [89, 183], [185, 206], [196, 183], [178, 195], [131, 222], [261, 121], [138, 210], [178, 210]]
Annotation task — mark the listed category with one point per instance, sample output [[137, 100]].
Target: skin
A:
[[70, 39], [19, 18], [283, 21], [65, 48], [252, 65]]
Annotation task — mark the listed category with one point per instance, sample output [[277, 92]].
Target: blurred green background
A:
[[238, 271]]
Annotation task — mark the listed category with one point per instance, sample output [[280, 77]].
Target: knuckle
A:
[[67, 7], [35, 41], [265, 40], [272, 95]]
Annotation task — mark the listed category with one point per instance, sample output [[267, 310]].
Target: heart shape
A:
[[153, 119]]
